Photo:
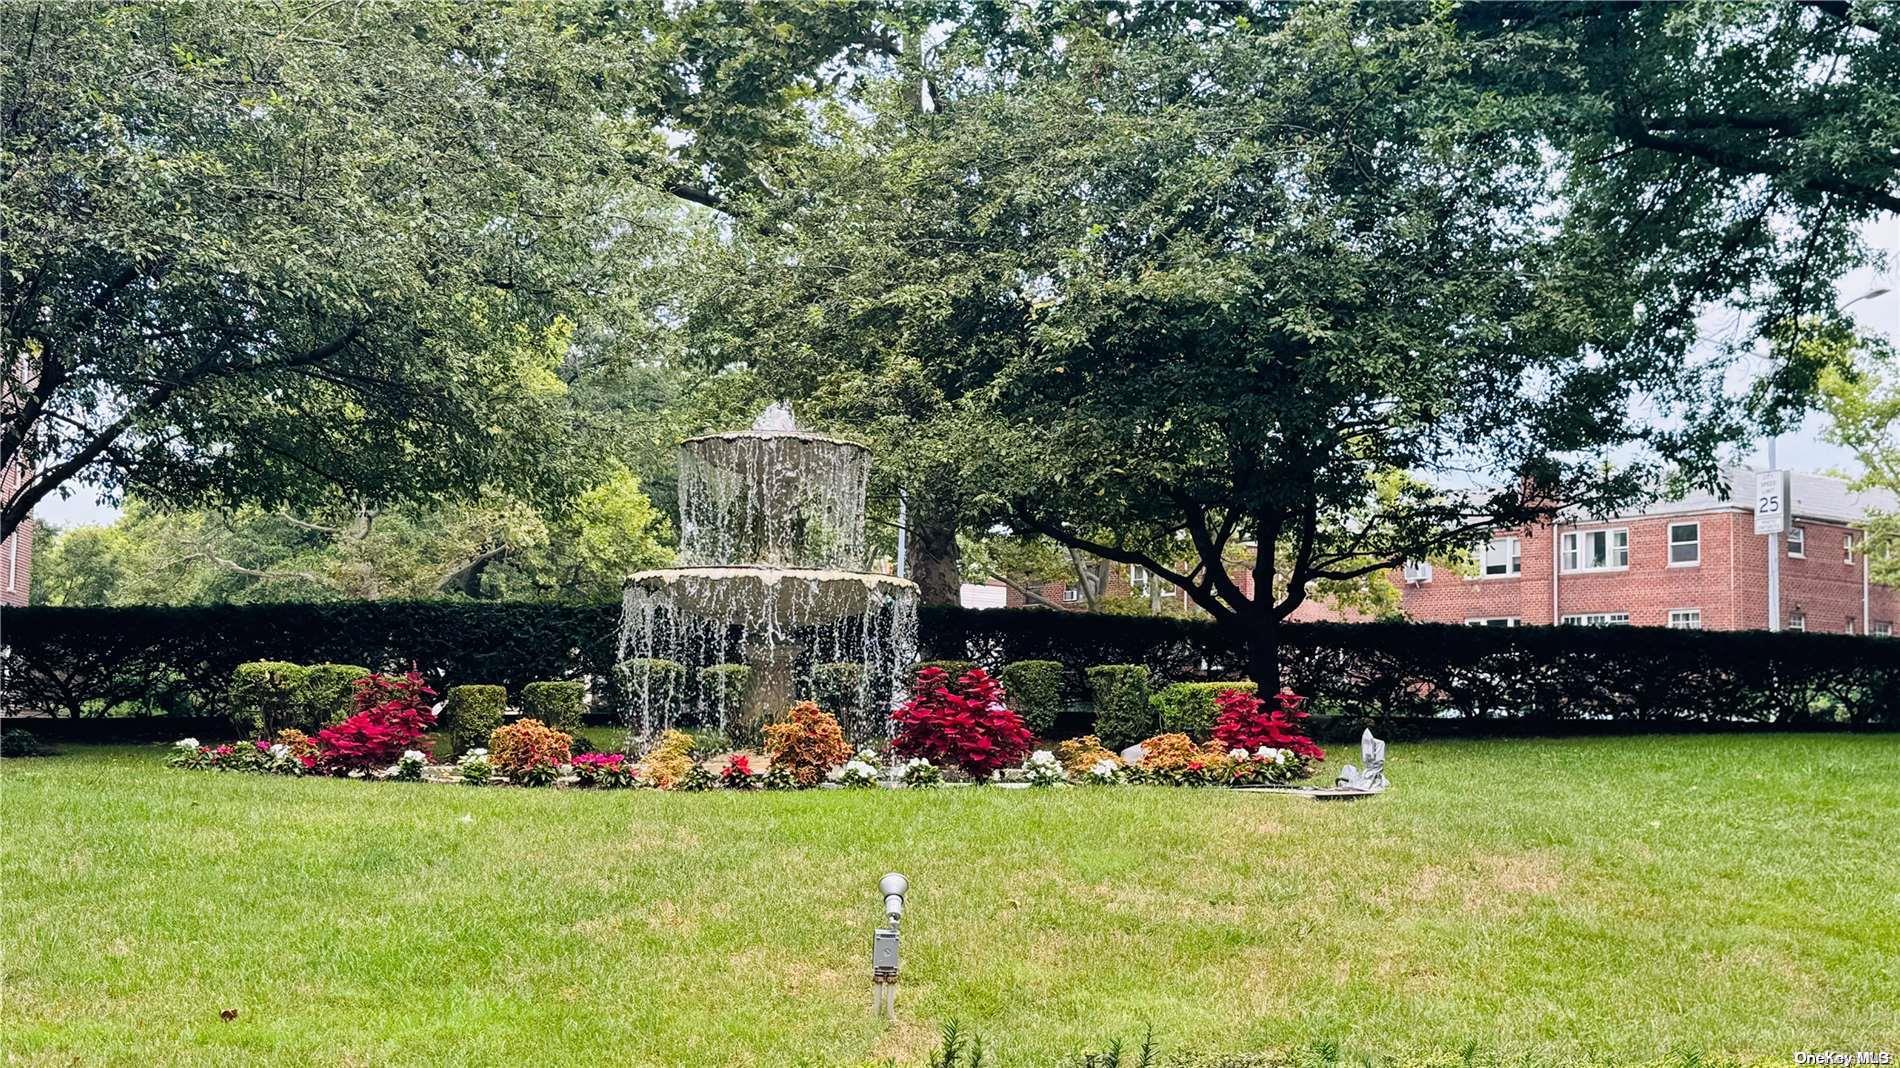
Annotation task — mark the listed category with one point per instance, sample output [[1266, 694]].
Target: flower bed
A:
[[960, 731]]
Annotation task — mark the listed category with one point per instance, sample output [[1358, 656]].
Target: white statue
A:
[[1372, 778]]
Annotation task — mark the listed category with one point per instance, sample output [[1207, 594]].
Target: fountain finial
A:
[[776, 416]]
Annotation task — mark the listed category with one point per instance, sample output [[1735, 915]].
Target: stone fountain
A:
[[771, 576]]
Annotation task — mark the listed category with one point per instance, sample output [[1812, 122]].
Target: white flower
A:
[[279, 751], [186, 743], [916, 762], [1041, 758], [1278, 756], [1236, 754], [860, 767], [412, 756]]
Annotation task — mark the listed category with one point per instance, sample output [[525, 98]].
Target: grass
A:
[[1545, 902]]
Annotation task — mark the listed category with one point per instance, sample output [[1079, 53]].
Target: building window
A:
[[1847, 548], [1071, 594], [1883, 628], [1850, 626], [1685, 544], [1797, 622], [1599, 619], [1685, 619], [13, 563], [1597, 550], [1142, 581], [1500, 557], [1417, 571], [1797, 542], [1494, 621]]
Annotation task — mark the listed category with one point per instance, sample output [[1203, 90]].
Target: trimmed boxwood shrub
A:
[[560, 705], [327, 696], [723, 687], [1123, 715], [652, 683], [471, 714], [1035, 692], [838, 688], [956, 669], [264, 697], [1188, 707]]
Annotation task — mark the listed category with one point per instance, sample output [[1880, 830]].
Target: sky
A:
[[1800, 450]]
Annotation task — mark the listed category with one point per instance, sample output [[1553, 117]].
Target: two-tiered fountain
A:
[[771, 576]]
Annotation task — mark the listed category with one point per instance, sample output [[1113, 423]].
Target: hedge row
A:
[[179, 661]]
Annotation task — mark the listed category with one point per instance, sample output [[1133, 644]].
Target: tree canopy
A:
[[1341, 284]]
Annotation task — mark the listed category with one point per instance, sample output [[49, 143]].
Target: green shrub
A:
[[658, 686], [263, 697], [839, 689], [19, 743], [1188, 707], [558, 704], [327, 696], [1123, 715], [956, 669], [724, 686], [1035, 692], [471, 714]]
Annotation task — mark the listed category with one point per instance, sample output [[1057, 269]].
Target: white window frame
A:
[[1883, 628], [1598, 619], [1685, 619], [1798, 542], [1416, 571], [1495, 621], [13, 563], [1513, 562], [1695, 542], [1071, 594], [1798, 622], [1847, 549], [1574, 561], [1850, 625]]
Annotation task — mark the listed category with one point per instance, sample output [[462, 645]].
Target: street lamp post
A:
[[1774, 539]]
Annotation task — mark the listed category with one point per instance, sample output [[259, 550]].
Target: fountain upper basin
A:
[[812, 595]]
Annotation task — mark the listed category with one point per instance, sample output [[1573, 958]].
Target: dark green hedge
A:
[[178, 661]]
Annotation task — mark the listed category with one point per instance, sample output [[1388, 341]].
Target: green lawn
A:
[[1551, 902]]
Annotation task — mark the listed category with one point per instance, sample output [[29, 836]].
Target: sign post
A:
[[1774, 516]]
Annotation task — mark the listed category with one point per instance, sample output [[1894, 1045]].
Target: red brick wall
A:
[[1729, 584]]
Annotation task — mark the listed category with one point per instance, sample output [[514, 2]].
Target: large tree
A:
[[304, 253], [1341, 285]]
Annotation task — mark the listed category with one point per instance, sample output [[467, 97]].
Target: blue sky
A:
[[1802, 450]]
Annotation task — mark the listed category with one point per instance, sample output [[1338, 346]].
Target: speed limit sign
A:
[[1774, 508]]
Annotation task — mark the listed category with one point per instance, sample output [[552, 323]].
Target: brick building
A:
[[1694, 563], [16, 553]]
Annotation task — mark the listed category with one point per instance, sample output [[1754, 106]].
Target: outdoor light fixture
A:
[[884, 946]]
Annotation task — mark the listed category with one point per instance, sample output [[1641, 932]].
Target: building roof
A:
[[1821, 497]]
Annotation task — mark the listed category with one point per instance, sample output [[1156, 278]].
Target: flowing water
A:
[[772, 554]]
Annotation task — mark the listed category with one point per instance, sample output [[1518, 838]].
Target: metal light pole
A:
[[1774, 558], [1774, 539]]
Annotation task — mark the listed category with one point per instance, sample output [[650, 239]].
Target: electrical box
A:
[[884, 949]]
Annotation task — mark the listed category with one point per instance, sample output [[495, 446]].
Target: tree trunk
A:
[[1263, 654], [934, 558]]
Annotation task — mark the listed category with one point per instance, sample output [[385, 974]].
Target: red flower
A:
[[1242, 723], [969, 726], [391, 715]]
